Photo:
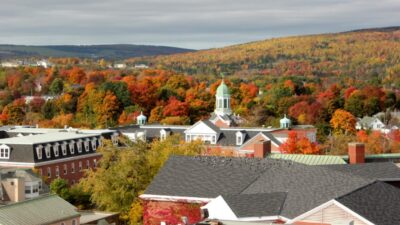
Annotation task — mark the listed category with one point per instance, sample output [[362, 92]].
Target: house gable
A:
[[200, 128], [331, 212]]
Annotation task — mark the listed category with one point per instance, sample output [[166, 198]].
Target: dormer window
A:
[[239, 137], [164, 134], [72, 147], [114, 139], [64, 148], [86, 143], [47, 150], [4, 152], [56, 149], [79, 146], [93, 142], [39, 151]]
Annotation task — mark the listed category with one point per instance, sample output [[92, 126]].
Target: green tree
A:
[[57, 86], [59, 186]]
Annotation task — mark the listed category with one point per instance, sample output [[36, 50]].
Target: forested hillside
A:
[[112, 52], [323, 80], [372, 55]]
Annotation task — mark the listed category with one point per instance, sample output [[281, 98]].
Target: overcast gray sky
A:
[[184, 23]]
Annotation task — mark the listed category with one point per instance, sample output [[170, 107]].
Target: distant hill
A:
[[122, 51], [367, 54]]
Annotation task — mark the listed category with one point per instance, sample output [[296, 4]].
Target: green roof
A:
[[377, 156], [42, 210], [222, 89], [310, 159]]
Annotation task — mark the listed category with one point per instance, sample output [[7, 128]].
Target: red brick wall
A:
[[155, 212], [71, 176]]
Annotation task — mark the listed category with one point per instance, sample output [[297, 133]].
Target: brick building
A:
[[53, 154]]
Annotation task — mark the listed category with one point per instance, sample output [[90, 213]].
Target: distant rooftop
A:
[[45, 138], [310, 159], [42, 210]]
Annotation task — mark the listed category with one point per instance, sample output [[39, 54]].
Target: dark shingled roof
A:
[[307, 186], [377, 202], [228, 136], [256, 205], [208, 177], [377, 171]]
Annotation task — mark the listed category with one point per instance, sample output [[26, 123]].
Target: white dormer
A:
[[56, 149], [39, 153], [240, 135], [79, 145], [72, 147], [4, 152], [47, 150], [86, 143], [164, 134], [64, 148], [114, 139], [93, 142]]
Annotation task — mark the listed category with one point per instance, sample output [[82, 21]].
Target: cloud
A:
[[184, 23]]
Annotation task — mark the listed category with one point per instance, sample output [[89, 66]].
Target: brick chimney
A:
[[356, 153], [262, 148]]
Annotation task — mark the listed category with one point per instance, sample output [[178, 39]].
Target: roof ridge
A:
[[359, 188], [40, 197]]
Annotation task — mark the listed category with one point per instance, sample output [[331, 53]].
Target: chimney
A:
[[356, 153], [262, 148]]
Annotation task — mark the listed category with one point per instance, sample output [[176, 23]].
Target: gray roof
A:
[[377, 171], [306, 186], [27, 174], [256, 205], [228, 136], [211, 125], [45, 138], [41, 210], [377, 202]]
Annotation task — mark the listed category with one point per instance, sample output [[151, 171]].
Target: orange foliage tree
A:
[[296, 145], [343, 122]]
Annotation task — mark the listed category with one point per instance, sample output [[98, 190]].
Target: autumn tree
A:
[[343, 122], [123, 174], [296, 145]]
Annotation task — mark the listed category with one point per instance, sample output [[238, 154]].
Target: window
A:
[[39, 152], [114, 139], [73, 167], [65, 169], [40, 185], [86, 145], [55, 149], [64, 148], [35, 188], [80, 166], [79, 146], [163, 136], [74, 222], [87, 164], [47, 150], [238, 139], [72, 147], [4, 152], [28, 190], [57, 171], [94, 144], [94, 163], [213, 139], [48, 172], [225, 103]]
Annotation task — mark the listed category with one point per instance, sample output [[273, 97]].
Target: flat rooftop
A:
[[45, 138]]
